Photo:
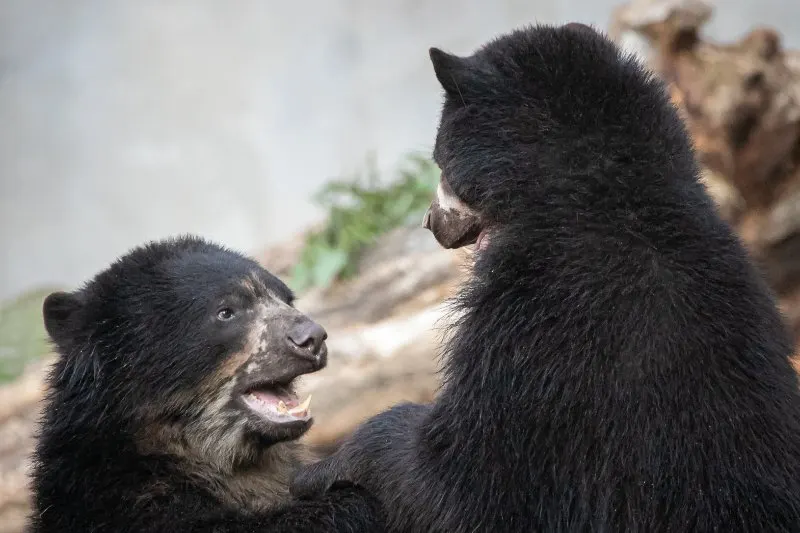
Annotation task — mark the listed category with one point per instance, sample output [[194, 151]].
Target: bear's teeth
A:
[[301, 409], [282, 407]]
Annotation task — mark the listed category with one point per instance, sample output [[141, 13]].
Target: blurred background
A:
[[299, 132]]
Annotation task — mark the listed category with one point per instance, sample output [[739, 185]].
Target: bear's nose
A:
[[426, 220], [309, 337]]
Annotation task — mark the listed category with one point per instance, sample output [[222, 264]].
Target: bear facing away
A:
[[616, 363], [171, 405]]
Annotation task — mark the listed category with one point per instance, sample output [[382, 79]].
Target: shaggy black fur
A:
[[145, 428], [616, 364]]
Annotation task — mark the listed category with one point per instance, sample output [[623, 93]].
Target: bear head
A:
[[534, 122], [185, 344]]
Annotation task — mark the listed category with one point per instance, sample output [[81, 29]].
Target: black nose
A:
[[426, 220], [308, 336]]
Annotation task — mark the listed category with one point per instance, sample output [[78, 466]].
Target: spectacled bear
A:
[[172, 407], [617, 362]]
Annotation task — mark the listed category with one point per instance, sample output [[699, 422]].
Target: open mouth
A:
[[277, 403], [482, 241], [469, 234], [477, 236]]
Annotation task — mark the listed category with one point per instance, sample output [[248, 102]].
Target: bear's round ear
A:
[[58, 310], [451, 71]]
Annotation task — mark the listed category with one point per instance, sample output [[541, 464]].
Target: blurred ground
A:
[[741, 101]]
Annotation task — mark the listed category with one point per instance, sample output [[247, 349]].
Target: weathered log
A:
[[741, 103]]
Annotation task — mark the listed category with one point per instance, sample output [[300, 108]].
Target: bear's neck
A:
[[243, 473], [257, 487]]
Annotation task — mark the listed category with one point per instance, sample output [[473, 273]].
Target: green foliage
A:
[[22, 334], [359, 211]]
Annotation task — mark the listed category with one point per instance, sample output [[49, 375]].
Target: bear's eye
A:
[[226, 313]]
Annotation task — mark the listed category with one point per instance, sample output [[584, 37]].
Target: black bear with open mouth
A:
[[172, 405]]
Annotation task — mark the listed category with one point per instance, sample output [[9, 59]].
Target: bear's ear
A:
[[577, 26], [59, 311], [452, 71]]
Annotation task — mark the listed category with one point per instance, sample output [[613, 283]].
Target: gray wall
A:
[[124, 121]]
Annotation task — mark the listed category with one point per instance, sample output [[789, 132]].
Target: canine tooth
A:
[[302, 408], [282, 407]]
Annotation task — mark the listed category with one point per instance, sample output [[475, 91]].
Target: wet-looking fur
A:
[[616, 363], [171, 406]]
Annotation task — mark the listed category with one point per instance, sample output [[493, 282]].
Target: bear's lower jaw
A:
[[277, 405]]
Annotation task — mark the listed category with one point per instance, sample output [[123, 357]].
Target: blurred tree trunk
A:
[[741, 102]]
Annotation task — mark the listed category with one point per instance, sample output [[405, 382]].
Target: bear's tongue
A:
[[281, 403], [274, 397]]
